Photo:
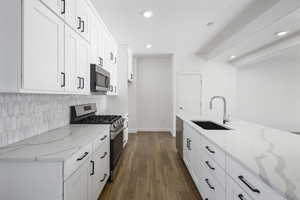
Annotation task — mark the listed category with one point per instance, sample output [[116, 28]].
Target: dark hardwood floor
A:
[[150, 169]]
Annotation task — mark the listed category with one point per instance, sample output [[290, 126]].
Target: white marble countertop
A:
[[270, 154], [55, 145]]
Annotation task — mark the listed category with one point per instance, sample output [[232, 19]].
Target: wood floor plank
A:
[[150, 169]]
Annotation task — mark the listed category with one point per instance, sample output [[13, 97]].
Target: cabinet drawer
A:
[[101, 157], [235, 192], [255, 187], [214, 152], [76, 160], [211, 188], [213, 168], [100, 140]]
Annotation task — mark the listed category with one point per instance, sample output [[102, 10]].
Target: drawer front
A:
[[214, 152], [255, 187], [101, 158], [100, 140], [235, 192], [213, 168], [211, 188], [76, 160]]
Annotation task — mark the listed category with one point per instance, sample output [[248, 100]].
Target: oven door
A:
[[100, 79]]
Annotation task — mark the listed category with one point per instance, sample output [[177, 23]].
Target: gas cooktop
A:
[[99, 119]]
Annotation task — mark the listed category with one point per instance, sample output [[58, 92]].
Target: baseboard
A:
[[154, 130], [133, 130]]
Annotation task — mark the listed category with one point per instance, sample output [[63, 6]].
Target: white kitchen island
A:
[[69, 163], [250, 161]]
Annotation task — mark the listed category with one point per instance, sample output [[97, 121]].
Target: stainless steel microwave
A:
[[100, 79]]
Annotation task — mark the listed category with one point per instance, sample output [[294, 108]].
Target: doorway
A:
[[189, 93]]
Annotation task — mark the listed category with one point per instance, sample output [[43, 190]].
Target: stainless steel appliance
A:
[[86, 114], [100, 79], [179, 136]]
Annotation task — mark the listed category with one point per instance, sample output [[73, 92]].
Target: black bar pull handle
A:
[[93, 168], [79, 82], [209, 185], [209, 166], [101, 61], [252, 188], [82, 83], [103, 138], [209, 150], [241, 197], [83, 25], [105, 175], [83, 156], [63, 11], [64, 79], [104, 155], [79, 22]]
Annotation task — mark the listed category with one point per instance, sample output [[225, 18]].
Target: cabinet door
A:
[[71, 61], [130, 65], [84, 13], [78, 186], [108, 54], [84, 64], [234, 192], [55, 5], [43, 48], [71, 13], [95, 41]]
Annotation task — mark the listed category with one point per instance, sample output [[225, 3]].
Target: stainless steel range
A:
[[86, 114]]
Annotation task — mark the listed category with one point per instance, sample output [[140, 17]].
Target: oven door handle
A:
[[107, 82], [120, 130]]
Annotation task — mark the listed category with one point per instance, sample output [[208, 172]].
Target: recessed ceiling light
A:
[[282, 33], [232, 57], [149, 46], [210, 24], [147, 13]]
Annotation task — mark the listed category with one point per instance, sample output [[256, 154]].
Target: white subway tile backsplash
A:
[[26, 115]]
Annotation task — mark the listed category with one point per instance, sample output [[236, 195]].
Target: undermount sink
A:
[[208, 125]]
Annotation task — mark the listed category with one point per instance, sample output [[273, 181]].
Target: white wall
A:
[[154, 101], [217, 79], [268, 91]]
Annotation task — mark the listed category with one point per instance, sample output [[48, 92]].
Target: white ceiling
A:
[[177, 25]]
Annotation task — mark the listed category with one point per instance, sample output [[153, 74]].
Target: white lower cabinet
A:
[[81, 176], [100, 172], [78, 186], [234, 192], [218, 176]]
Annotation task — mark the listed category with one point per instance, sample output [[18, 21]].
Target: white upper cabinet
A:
[[97, 44], [110, 62], [84, 64], [83, 13], [51, 46], [57, 6], [130, 66], [71, 61], [43, 67], [70, 12]]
